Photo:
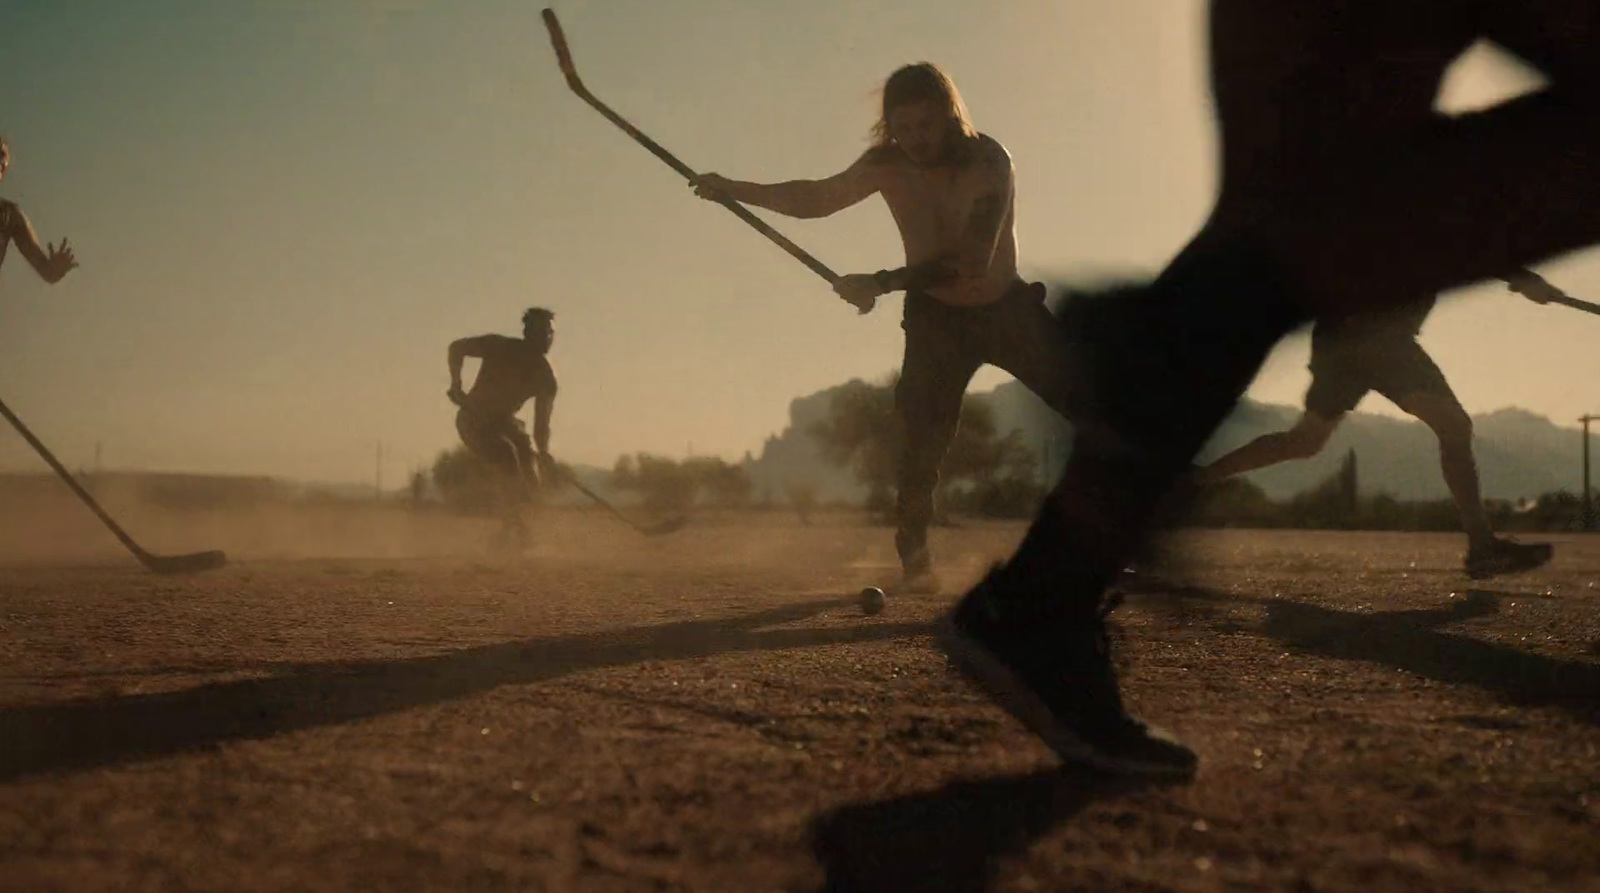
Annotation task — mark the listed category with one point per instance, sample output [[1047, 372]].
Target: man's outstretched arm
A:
[[51, 262], [797, 198]]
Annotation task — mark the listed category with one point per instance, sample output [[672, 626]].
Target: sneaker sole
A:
[[980, 665], [1484, 573]]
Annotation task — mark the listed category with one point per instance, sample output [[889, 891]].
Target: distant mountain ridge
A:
[[1520, 453], [792, 456]]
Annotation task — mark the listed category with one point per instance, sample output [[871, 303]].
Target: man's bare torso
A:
[[511, 374], [931, 206]]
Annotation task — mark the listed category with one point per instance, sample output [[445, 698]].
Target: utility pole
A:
[[1588, 492], [377, 478]]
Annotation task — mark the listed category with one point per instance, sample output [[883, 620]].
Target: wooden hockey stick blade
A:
[[558, 40], [671, 525], [184, 564]]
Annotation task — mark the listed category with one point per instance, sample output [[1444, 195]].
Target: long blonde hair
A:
[[919, 82]]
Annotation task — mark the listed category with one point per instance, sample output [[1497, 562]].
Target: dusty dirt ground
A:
[[373, 704]]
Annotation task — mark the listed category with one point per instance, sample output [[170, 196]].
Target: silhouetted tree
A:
[[465, 482], [802, 497], [718, 482], [862, 433], [1333, 503], [982, 472], [665, 484]]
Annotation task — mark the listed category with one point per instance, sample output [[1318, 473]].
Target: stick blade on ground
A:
[[671, 525], [193, 562]]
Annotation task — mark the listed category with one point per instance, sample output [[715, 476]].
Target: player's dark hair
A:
[[918, 82], [538, 314]]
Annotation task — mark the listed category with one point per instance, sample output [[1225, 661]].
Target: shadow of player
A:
[[1407, 640], [82, 734], [951, 839]]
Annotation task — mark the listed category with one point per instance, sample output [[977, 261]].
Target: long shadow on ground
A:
[[1408, 640], [1405, 640], [84, 734], [950, 840]]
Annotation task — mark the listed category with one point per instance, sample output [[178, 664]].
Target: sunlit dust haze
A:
[[285, 212]]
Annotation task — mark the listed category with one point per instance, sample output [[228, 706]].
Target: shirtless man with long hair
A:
[[951, 192]]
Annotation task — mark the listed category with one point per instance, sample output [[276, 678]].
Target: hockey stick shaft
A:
[[606, 504], [1569, 301], [564, 58], [83, 494], [161, 563], [1533, 287], [573, 480], [647, 529]]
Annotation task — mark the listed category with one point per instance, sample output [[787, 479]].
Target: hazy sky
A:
[[285, 211]]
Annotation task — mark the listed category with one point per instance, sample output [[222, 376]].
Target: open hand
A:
[[59, 260]]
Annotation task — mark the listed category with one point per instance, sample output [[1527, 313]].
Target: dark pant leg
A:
[[1165, 365], [1025, 339], [933, 378], [501, 445]]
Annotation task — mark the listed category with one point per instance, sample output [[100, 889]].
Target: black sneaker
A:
[[1506, 556], [1056, 677]]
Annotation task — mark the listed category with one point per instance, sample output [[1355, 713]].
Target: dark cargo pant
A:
[[945, 345]]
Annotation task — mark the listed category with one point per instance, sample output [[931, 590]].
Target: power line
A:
[[1588, 517]]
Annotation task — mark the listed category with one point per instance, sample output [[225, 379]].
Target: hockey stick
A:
[[668, 526], [564, 57], [657, 529], [161, 564], [1570, 301], [1548, 294]]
